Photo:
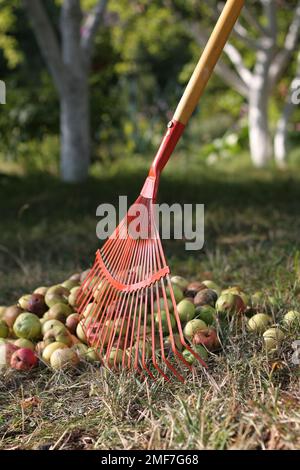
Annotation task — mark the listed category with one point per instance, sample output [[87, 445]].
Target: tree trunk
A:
[[75, 130], [259, 132], [281, 136]]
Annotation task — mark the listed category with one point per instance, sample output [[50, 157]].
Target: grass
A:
[[245, 400]]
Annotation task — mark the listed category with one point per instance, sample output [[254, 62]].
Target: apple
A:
[[58, 334], [207, 338], [69, 284], [190, 358], [237, 291], [168, 343], [6, 352], [11, 313], [213, 286], [52, 299], [24, 343], [193, 288], [75, 277], [292, 318], [72, 322], [192, 327], [50, 324], [41, 290], [115, 357], [72, 299], [36, 304], [23, 301], [4, 330], [178, 294], [179, 281], [80, 349], [28, 326], [2, 311], [92, 355], [63, 358], [229, 304], [206, 297], [207, 313], [186, 310], [58, 289], [23, 359], [80, 332], [259, 322], [163, 305], [50, 348], [59, 311], [84, 275], [164, 321], [273, 338]]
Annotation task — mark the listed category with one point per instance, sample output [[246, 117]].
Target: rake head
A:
[[127, 305]]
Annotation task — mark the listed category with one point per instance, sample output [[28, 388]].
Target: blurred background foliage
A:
[[142, 60]]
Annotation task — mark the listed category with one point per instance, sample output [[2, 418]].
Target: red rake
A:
[[126, 302]]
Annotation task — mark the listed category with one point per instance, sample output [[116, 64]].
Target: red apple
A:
[[36, 304], [23, 359], [207, 338], [72, 322]]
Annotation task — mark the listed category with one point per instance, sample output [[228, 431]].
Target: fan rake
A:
[[127, 303]]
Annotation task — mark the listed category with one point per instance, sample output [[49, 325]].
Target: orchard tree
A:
[[68, 57], [264, 31]]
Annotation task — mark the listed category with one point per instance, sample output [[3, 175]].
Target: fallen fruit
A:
[[212, 285], [36, 304], [72, 322], [23, 301], [292, 318], [50, 324], [24, 343], [59, 311], [6, 352], [49, 350], [273, 337], [27, 325], [69, 284], [162, 320], [63, 358], [178, 294], [192, 327], [193, 288], [259, 322], [186, 310], [41, 290], [206, 297], [23, 359], [4, 330], [207, 338], [207, 313], [80, 332], [115, 357], [162, 305], [58, 334], [179, 281], [229, 304], [11, 313], [75, 277], [80, 349], [168, 343], [190, 358]]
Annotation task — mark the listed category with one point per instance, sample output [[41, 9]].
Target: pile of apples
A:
[[43, 326]]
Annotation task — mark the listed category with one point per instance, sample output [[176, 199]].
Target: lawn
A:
[[245, 400]]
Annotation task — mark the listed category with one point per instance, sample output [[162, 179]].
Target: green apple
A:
[[179, 281], [92, 355], [186, 310], [292, 318], [213, 286], [28, 326], [228, 304], [24, 343], [52, 299], [259, 322], [237, 291], [73, 296], [50, 348], [50, 324], [59, 311], [24, 301], [192, 327], [58, 334], [81, 333], [4, 330], [63, 358], [163, 305], [164, 321], [207, 313], [190, 358], [115, 357], [69, 284], [81, 350], [273, 338], [178, 294]]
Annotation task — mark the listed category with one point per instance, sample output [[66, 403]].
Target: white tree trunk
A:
[[281, 139], [75, 132], [259, 132]]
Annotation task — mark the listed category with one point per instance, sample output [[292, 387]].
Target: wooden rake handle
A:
[[208, 60]]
